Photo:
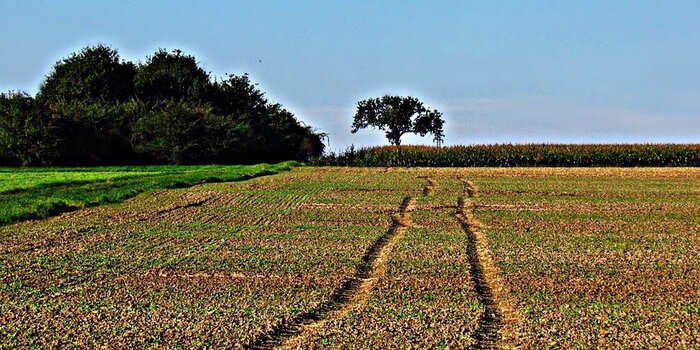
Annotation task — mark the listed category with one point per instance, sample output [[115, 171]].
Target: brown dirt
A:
[[350, 296]]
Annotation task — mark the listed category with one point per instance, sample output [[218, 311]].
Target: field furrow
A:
[[430, 187], [351, 295], [497, 309], [322, 258], [424, 300], [184, 267]]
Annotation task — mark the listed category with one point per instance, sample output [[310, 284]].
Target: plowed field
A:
[[368, 258]]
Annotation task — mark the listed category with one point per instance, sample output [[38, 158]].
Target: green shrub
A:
[[95, 109]]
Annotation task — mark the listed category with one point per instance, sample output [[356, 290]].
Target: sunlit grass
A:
[[35, 193]]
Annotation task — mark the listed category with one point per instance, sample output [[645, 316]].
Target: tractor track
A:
[[430, 187], [352, 293], [487, 335], [497, 315]]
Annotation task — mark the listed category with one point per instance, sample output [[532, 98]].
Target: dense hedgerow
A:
[[506, 155], [96, 109]]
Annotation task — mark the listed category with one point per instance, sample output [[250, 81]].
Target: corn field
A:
[[507, 155]]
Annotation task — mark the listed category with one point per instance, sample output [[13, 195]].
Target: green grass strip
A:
[[36, 193]]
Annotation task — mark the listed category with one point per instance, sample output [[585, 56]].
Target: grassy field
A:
[[368, 258], [35, 193]]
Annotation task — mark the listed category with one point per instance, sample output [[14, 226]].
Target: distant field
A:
[[368, 258], [521, 155], [33, 193]]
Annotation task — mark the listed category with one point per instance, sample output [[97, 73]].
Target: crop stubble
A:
[[591, 258], [595, 258], [351, 295], [215, 265]]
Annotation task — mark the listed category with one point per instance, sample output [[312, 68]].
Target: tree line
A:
[[97, 109]]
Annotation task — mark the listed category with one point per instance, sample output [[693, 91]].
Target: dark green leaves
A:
[[171, 75], [94, 74], [95, 109]]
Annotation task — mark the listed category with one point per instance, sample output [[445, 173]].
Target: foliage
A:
[[506, 155], [28, 132], [254, 126], [173, 132], [302, 142], [37, 193], [398, 115], [237, 95], [96, 133], [94, 109], [94, 74], [171, 76]]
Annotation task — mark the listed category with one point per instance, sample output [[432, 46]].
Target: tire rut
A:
[[430, 187], [497, 314], [471, 188], [352, 293], [487, 335]]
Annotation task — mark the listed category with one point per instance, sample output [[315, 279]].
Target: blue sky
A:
[[500, 71]]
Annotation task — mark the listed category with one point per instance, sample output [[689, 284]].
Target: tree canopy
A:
[[95, 73], [172, 75], [397, 116], [93, 109]]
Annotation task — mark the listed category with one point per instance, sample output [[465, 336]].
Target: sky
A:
[[500, 71]]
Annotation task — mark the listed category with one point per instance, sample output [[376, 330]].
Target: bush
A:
[[94, 109], [96, 133], [28, 133], [173, 132], [172, 76], [94, 74]]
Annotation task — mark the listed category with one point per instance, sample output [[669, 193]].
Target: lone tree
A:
[[398, 115]]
